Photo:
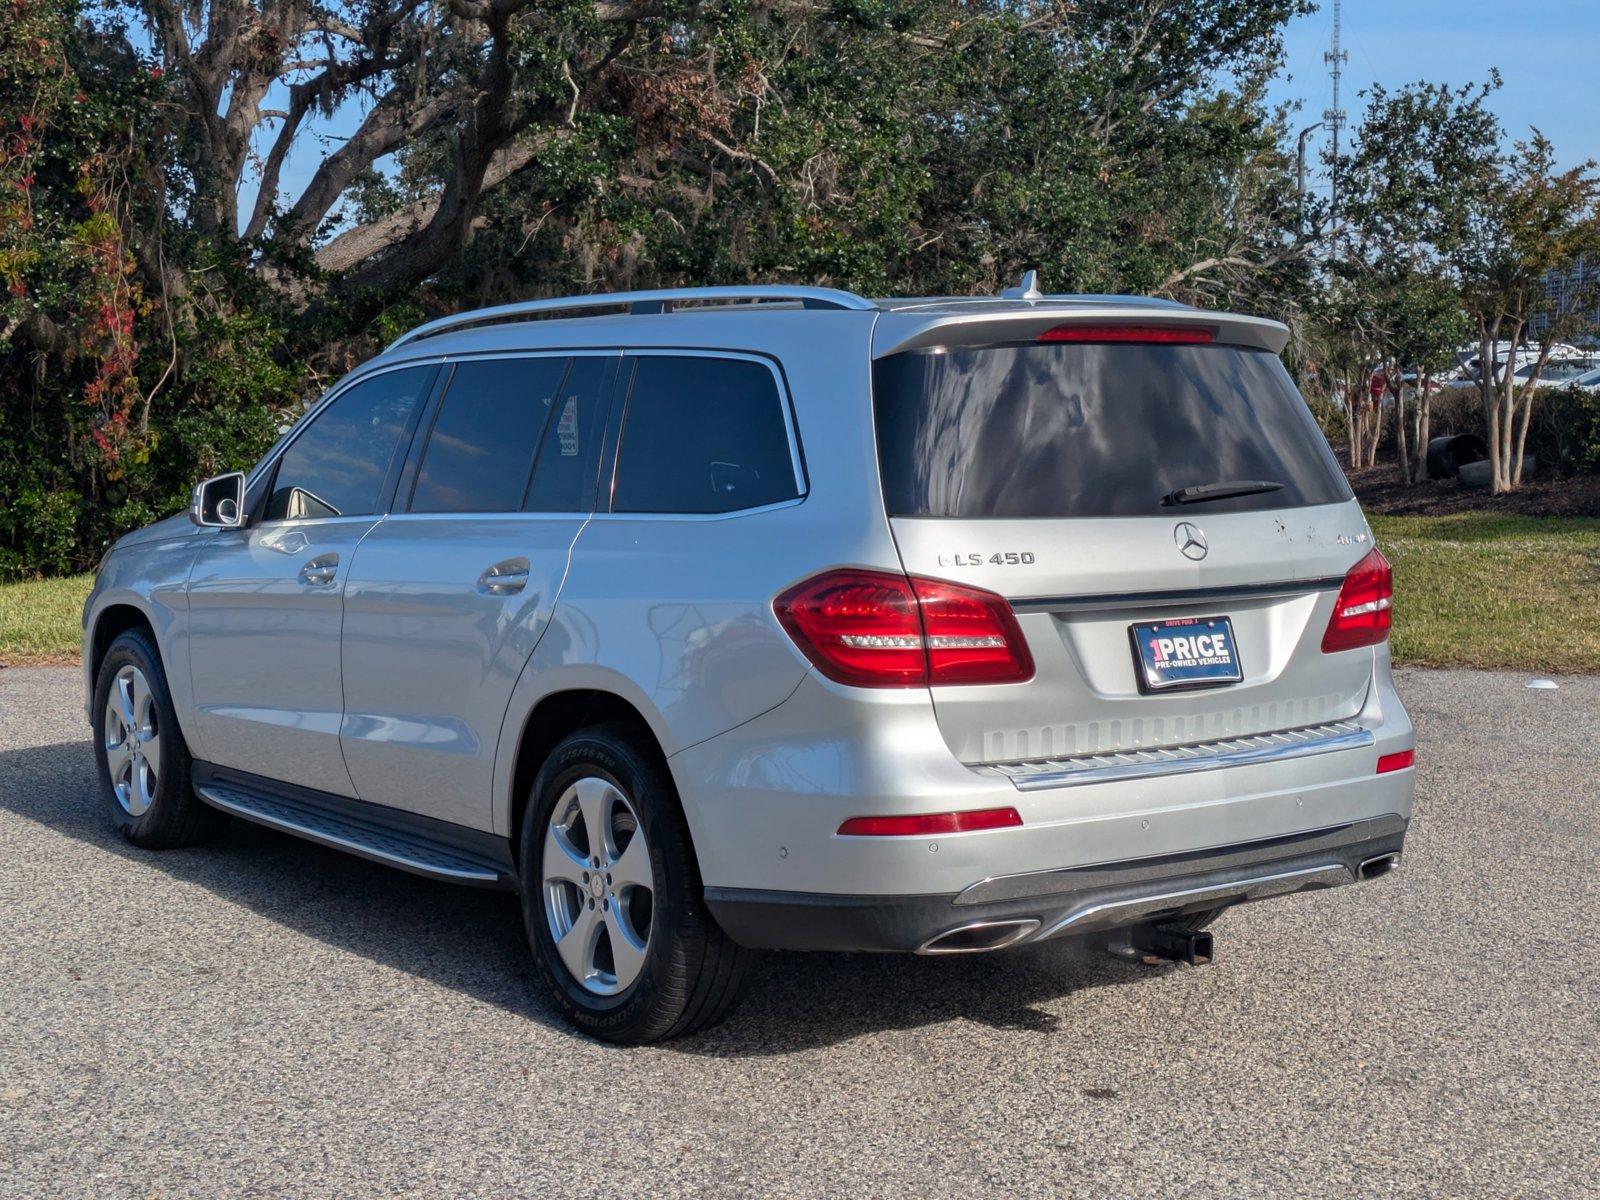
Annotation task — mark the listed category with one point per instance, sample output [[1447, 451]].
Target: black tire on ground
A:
[[692, 975], [176, 816]]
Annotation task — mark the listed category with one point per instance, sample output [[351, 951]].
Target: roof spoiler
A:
[[1027, 319]]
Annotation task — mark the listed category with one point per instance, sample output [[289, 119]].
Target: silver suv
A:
[[763, 617]]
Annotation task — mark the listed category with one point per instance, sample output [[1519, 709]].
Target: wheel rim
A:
[[599, 891], [133, 741]]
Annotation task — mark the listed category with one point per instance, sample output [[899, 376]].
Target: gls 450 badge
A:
[[1000, 558]]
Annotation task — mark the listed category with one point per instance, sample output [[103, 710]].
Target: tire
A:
[[143, 761], [652, 966]]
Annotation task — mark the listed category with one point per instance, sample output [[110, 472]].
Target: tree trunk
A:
[[1488, 389], [1352, 409], [1424, 420], [1401, 441], [1522, 434], [1374, 425], [1505, 424]]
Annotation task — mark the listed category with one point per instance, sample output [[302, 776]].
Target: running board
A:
[[317, 821]]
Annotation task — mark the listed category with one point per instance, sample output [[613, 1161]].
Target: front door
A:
[[266, 602], [449, 595]]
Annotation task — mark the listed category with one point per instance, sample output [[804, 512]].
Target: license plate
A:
[[1193, 652]]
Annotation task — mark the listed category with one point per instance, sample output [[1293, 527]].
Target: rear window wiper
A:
[[1201, 492]]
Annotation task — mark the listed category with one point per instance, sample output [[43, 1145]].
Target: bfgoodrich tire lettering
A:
[[142, 758], [690, 975]]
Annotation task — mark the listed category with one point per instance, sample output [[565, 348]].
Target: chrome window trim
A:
[[396, 509], [303, 421], [358, 376], [785, 406], [1220, 754], [731, 514]]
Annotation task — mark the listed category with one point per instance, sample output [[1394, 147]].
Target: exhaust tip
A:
[[1371, 868], [979, 937]]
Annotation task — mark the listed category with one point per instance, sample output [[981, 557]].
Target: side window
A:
[[569, 456], [703, 435], [481, 449], [337, 465]]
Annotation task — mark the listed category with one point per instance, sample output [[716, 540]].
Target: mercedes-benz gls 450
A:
[[735, 618]]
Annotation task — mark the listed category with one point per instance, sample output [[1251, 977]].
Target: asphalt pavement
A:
[[264, 1017]]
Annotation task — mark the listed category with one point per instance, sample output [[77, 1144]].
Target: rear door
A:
[[1067, 477], [449, 595]]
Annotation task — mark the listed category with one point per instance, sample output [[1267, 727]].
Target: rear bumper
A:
[[1035, 906], [765, 801]]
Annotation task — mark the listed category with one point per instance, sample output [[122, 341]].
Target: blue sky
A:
[[1548, 53]]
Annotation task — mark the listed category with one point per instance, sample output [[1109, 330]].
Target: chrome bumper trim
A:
[[1113, 913], [1077, 771]]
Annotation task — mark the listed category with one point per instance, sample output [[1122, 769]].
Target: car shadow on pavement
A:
[[471, 940]]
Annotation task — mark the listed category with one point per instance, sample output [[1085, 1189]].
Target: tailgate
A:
[[1103, 475], [1078, 586]]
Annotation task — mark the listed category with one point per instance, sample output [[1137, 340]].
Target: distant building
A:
[[1561, 287]]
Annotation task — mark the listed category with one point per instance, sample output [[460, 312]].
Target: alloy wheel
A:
[[132, 743], [599, 891]]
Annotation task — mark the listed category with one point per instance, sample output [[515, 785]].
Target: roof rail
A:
[[638, 304]]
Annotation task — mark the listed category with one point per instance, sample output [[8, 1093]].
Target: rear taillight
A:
[[1365, 607], [1172, 335], [879, 629]]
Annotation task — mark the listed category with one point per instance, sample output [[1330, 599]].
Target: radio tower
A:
[[1335, 57]]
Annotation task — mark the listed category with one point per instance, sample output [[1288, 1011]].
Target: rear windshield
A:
[[1085, 430]]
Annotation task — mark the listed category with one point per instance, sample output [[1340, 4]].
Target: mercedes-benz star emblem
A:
[[1191, 542]]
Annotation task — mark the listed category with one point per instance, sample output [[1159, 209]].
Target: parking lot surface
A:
[[263, 1017]]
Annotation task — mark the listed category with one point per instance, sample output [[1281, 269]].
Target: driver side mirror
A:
[[218, 502]]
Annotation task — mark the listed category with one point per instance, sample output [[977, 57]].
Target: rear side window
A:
[[569, 454], [703, 435], [480, 452], [1085, 430], [337, 465]]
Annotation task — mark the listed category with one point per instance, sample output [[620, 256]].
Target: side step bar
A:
[[317, 821]]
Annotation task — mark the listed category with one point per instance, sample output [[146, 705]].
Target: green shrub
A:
[[1565, 430], [44, 532]]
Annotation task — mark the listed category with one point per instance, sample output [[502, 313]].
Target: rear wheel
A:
[[144, 762], [611, 896]]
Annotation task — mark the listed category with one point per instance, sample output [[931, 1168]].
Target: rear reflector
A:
[[880, 629], [1398, 761], [1178, 335], [932, 823], [1365, 607]]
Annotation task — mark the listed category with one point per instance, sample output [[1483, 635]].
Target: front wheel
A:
[[611, 896], [144, 762]]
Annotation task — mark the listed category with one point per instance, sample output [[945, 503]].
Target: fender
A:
[[153, 580]]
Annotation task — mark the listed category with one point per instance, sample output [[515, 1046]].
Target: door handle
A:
[[505, 578], [322, 569]]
